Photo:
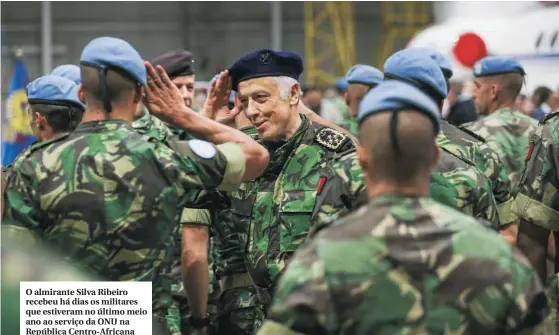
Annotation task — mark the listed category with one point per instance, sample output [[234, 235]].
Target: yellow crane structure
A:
[[330, 35], [329, 40], [400, 21]]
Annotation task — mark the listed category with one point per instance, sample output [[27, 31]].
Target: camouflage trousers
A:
[[179, 311], [241, 311]]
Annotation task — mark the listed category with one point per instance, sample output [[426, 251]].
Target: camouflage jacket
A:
[[537, 200], [151, 126], [454, 182], [109, 198], [472, 190], [407, 265], [468, 146], [506, 131], [272, 215]]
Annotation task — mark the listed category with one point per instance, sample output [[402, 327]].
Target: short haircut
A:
[[119, 86], [416, 142], [60, 118], [511, 85]]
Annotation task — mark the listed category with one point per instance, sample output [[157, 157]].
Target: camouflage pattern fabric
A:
[[108, 198], [271, 217], [151, 126], [537, 200], [471, 147], [416, 266], [473, 193], [177, 317], [454, 182], [25, 260], [506, 131]]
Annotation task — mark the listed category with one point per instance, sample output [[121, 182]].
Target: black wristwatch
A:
[[198, 323]]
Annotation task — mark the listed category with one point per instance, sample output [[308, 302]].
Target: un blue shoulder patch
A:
[[202, 149]]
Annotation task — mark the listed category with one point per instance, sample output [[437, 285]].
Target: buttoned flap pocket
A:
[[295, 218]]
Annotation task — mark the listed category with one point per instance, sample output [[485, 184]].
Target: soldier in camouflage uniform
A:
[[461, 143], [405, 264], [54, 109], [536, 202], [271, 215], [360, 78], [498, 82], [179, 67], [455, 181], [107, 197]]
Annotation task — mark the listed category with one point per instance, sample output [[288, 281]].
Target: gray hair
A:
[[285, 84]]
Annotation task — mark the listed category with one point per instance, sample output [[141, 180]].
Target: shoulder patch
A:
[[202, 149], [330, 138], [548, 116], [471, 133]]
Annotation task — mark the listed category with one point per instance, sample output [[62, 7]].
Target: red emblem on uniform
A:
[[321, 183], [530, 149]]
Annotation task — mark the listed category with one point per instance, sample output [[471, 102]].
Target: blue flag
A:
[[17, 133]]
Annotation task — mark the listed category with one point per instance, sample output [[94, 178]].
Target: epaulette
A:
[[333, 140], [39, 145], [471, 133], [548, 117]]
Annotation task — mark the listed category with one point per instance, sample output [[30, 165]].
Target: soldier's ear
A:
[[294, 95], [81, 94], [363, 157], [346, 97]]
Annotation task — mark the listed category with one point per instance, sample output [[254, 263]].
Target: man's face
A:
[[484, 92], [185, 84], [263, 105], [354, 95]]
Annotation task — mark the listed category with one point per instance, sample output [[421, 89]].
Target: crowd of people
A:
[[399, 201]]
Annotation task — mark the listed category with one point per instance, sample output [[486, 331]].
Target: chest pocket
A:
[[295, 218]]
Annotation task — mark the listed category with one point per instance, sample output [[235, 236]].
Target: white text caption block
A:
[[85, 308]]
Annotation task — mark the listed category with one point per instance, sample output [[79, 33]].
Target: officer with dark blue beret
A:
[[54, 106], [68, 71], [266, 82], [179, 66]]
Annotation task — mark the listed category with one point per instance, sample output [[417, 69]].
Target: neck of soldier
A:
[[292, 126], [377, 188], [117, 113], [496, 105]]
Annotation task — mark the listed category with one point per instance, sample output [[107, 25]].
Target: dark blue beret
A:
[[416, 68], [110, 51], [394, 95], [491, 66], [176, 63], [266, 63]]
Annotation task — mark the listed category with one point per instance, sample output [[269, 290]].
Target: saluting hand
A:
[[216, 106], [162, 98]]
